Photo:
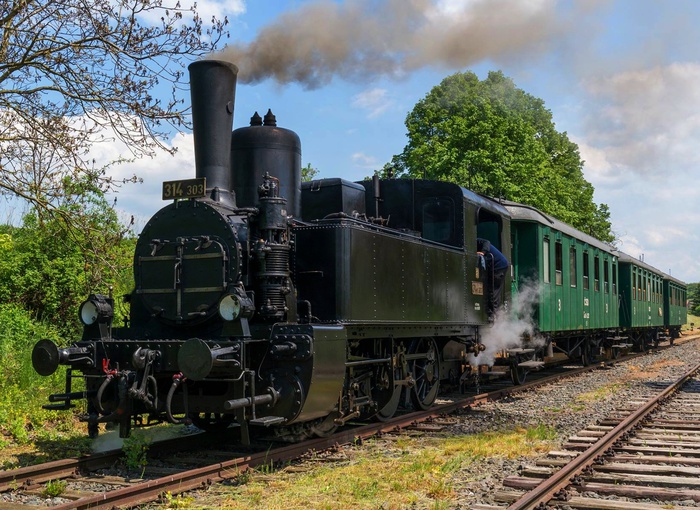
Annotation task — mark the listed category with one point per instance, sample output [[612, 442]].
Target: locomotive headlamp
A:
[[97, 308], [229, 307]]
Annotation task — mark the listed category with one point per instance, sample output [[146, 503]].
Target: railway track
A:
[[88, 487], [645, 453]]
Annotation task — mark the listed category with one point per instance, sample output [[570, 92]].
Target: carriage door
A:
[[558, 285]]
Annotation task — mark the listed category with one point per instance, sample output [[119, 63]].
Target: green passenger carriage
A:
[[641, 301], [675, 306], [575, 279]]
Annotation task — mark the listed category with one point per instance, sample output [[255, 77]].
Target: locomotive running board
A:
[[531, 364]]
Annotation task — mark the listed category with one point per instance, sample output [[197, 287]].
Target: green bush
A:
[[47, 268]]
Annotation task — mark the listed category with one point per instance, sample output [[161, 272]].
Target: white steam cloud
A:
[[511, 327]]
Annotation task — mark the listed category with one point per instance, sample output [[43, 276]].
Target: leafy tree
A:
[[49, 273], [74, 74], [694, 297], [495, 139], [308, 173]]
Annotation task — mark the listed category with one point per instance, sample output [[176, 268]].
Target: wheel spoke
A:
[[425, 372]]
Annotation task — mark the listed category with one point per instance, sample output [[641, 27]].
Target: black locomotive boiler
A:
[[279, 307]]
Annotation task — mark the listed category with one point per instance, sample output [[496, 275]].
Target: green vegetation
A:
[[135, 450], [694, 298], [423, 473], [493, 138], [600, 393], [176, 502], [308, 173], [54, 488], [47, 268]]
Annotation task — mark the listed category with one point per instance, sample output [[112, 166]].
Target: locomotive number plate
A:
[[188, 188]]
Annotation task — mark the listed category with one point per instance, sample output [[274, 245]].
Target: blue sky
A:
[[620, 77]]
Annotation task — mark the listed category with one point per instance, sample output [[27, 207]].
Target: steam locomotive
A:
[[289, 308]]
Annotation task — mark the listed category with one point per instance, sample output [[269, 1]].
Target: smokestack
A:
[[213, 90]]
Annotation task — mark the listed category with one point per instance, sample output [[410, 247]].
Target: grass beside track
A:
[[387, 473]]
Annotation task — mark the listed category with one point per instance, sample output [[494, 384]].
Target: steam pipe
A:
[[178, 379], [121, 406]]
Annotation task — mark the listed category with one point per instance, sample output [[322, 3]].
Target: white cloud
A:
[[375, 101], [205, 8], [639, 144], [364, 160], [143, 199], [647, 121], [453, 7]]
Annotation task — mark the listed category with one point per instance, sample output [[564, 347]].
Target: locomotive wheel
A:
[[325, 426], [424, 367], [388, 395], [387, 412], [517, 375]]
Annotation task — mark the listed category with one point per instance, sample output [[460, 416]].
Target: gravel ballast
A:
[[567, 406]]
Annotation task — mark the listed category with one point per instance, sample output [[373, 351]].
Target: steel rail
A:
[[54, 470], [63, 468], [549, 487]]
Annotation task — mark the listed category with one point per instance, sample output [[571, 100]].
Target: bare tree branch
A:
[[72, 70]]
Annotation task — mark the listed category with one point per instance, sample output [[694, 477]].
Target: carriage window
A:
[[634, 285], [586, 270], [614, 278], [559, 263], [596, 273], [572, 266], [438, 219], [656, 290], [606, 276], [646, 287]]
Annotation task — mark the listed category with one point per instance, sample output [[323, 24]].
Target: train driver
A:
[[496, 266]]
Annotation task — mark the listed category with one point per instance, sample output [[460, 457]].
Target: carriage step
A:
[[617, 338], [621, 346], [519, 351], [531, 364], [266, 421], [664, 338]]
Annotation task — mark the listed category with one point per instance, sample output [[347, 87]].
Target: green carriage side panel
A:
[[561, 261], [675, 293], [641, 294], [528, 278]]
